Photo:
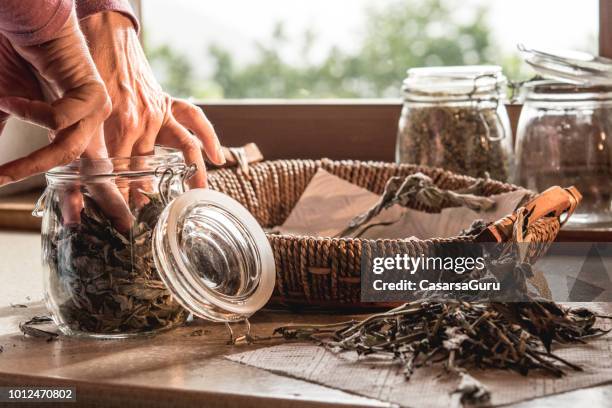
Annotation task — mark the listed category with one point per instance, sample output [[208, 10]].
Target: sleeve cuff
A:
[[47, 31], [86, 8]]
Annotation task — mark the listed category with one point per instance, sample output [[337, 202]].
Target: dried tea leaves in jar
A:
[[460, 139], [564, 138], [106, 282], [455, 118]]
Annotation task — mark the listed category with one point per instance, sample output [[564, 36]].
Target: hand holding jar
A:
[[57, 66], [142, 114]]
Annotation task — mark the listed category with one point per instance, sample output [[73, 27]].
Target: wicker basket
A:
[[320, 271]]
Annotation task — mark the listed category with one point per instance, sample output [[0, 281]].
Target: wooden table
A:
[[172, 369]]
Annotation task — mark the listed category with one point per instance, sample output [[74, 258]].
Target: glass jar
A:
[[455, 118], [182, 252], [564, 138]]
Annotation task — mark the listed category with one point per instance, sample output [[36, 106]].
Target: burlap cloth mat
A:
[[378, 378]]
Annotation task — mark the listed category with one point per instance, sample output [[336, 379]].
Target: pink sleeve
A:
[[86, 8], [25, 24], [31, 23]]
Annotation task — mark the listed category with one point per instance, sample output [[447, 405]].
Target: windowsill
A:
[[299, 102], [360, 129], [307, 102]]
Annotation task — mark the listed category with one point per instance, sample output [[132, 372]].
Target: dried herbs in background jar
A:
[[565, 128], [454, 118], [564, 138]]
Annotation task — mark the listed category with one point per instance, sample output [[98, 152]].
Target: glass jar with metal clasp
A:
[[455, 118], [565, 130], [184, 251]]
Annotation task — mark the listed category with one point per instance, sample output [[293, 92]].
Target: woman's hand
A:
[[79, 106], [62, 70], [142, 114], [16, 78]]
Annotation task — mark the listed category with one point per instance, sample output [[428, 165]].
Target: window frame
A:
[[605, 28]]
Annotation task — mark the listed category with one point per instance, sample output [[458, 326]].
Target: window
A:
[[346, 48]]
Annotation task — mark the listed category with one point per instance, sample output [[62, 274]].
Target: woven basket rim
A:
[[334, 240], [510, 186], [455, 238]]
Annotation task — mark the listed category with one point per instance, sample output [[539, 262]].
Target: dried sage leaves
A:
[[515, 336], [465, 140], [103, 281]]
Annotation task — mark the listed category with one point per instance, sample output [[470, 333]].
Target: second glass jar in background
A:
[[564, 137], [455, 118]]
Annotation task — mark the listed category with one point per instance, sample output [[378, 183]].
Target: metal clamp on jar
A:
[[564, 131], [195, 251]]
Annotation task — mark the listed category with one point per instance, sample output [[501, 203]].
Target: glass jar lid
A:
[[574, 67], [472, 81], [213, 256]]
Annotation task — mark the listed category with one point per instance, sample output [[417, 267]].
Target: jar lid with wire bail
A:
[[455, 82], [574, 67], [212, 254]]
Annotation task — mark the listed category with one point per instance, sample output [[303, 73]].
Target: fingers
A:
[[113, 204], [71, 201], [107, 197], [172, 134], [194, 119], [67, 145], [96, 150], [64, 112], [137, 199], [3, 120], [141, 149], [112, 199], [37, 112]]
